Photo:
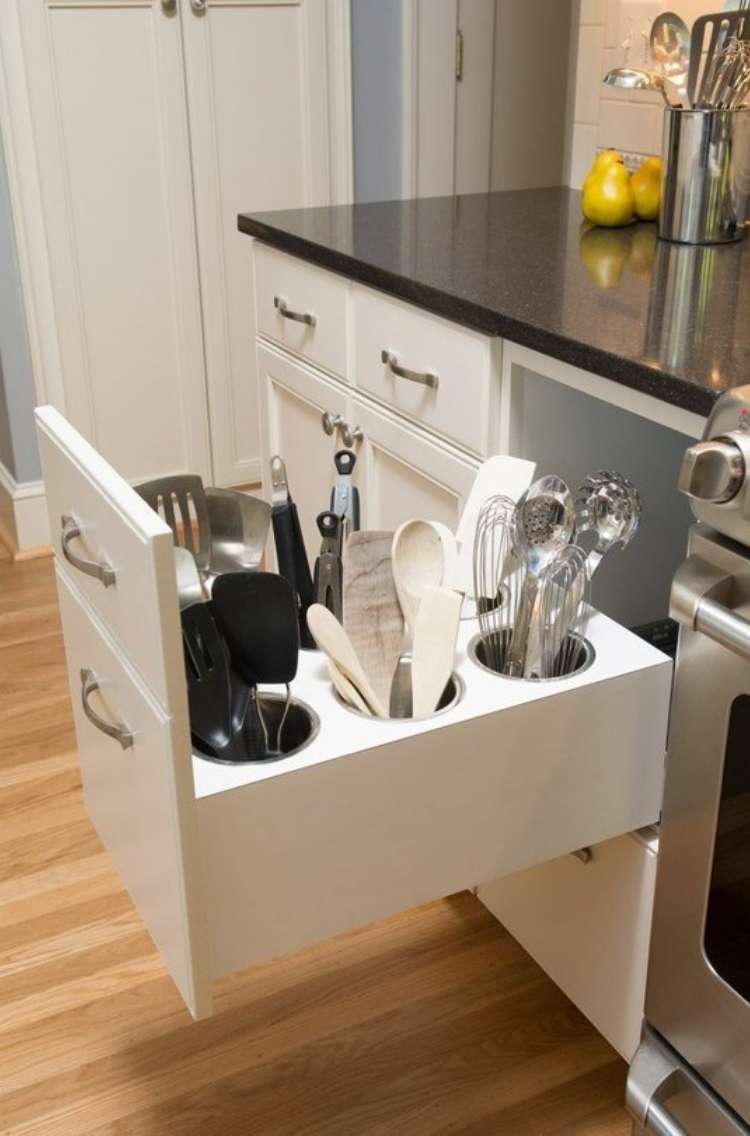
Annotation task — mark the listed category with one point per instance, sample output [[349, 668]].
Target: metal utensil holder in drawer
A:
[[706, 175]]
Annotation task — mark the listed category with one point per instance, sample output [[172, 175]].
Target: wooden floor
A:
[[433, 1022]]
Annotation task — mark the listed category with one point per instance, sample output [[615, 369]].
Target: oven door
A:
[[698, 993]]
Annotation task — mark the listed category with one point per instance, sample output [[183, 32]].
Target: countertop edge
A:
[[673, 390]]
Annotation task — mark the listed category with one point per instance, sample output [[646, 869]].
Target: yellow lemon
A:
[[608, 198], [646, 184]]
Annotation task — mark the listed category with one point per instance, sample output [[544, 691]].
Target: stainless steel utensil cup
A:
[[706, 176]]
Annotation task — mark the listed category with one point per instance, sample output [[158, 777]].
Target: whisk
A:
[[494, 562], [560, 616]]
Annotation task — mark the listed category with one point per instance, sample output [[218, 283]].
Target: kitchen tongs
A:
[[328, 582], [290, 546]]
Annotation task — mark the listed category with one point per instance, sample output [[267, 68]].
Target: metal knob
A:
[[331, 422], [712, 471], [351, 434]]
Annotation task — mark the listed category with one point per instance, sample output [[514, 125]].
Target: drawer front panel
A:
[[427, 349], [138, 792], [588, 925], [112, 545], [286, 288], [375, 817]]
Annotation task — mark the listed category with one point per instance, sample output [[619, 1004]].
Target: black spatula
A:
[[217, 704], [257, 615]]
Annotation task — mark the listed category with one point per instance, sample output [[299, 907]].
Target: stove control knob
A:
[[712, 471]]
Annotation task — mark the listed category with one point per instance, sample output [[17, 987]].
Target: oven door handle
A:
[[698, 590], [661, 1122], [724, 626]]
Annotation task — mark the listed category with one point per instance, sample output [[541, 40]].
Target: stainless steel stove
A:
[[691, 1075]]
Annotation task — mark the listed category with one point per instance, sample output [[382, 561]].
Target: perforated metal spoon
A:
[[544, 525], [609, 506]]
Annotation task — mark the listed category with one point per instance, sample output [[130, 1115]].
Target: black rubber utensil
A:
[[218, 705], [257, 615], [290, 546]]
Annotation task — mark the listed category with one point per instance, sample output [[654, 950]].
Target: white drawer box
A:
[[463, 404], [371, 817], [285, 287], [588, 926]]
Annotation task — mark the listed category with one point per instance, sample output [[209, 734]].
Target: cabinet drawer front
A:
[[115, 548], [138, 791], [301, 307], [588, 925], [374, 817], [423, 349]]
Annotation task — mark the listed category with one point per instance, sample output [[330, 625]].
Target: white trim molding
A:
[[24, 525]]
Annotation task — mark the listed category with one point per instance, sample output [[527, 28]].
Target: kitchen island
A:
[[662, 319], [579, 348]]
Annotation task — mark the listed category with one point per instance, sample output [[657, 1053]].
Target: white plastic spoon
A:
[[434, 654], [418, 560]]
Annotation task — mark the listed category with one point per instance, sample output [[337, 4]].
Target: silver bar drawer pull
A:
[[287, 313], [425, 378], [100, 570], [117, 730]]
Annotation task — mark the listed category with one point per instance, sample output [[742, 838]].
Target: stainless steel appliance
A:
[[691, 1075]]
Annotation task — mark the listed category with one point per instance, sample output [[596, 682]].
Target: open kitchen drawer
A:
[[230, 865]]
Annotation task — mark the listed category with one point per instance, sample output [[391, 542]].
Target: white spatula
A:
[[434, 654], [499, 474], [334, 641]]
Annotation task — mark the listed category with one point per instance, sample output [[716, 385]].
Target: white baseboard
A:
[[24, 526]]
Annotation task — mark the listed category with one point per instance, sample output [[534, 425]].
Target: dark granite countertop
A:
[[670, 320]]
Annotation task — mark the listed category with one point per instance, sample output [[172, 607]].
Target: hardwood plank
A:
[[433, 1022]]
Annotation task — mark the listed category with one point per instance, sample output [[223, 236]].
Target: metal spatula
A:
[[257, 615]]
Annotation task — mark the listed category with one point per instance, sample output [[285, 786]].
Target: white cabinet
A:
[[154, 123], [232, 865], [586, 919], [293, 402]]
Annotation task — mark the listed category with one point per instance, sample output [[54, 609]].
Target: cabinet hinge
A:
[[459, 55]]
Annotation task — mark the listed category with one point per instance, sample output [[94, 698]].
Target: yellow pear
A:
[[608, 198], [604, 159], [643, 250], [646, 184], [605, 253]]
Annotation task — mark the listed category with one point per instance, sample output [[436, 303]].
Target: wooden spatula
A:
[[334, 641], [372, 613], [434, 652]]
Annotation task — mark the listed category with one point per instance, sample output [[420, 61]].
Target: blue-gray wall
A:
[[376, 99], [18, 452]]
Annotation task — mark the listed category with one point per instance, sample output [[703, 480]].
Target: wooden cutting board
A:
[[372, 615]]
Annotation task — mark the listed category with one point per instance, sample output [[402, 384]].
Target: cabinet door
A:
[[107, 95], [406, 474], [293, 402], [256, 81]]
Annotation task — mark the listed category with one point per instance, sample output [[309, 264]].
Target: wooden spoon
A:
[[334, 641], [346, 689]]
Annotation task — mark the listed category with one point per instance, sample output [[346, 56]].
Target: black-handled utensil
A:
[[220, 714], [257, 615], [290, 546], [345, 495], [328, 579]]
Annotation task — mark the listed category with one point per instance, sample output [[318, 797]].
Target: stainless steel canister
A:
[[706, 175]]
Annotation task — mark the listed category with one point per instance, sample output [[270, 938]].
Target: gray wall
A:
[[376, 99], [18, 451]]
